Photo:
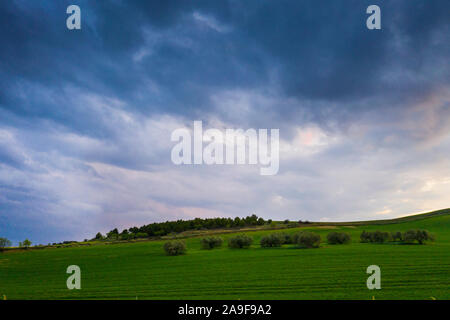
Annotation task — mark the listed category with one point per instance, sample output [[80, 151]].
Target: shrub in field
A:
[[307, 239], [421, 236], [365, 236], [379, 236], [338, 238], [295, 236], [396, 236], [287, 238], [211, 242], [240, 241], [409, 236], [175, 248], [375, 237], [272, 240]]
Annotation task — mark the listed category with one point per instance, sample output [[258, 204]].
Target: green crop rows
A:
[[142, 270]]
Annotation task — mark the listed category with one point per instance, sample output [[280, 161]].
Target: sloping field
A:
[[414, 217], [142, 270]]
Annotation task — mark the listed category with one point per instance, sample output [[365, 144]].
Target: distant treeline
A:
[[159, 229]]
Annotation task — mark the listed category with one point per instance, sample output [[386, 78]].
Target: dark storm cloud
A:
[[319, 52], [327, 53], [38, 49]]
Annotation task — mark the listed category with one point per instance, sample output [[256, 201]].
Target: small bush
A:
[[307, 239], [380, 236], [421, 236], [211, 242], [240, 241], [175, 248], [338, 238], [272, 240], [375, 237], [365, 236], [396, 236], [287, 238], [409, 236]]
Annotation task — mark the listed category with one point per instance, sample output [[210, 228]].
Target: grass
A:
[[141, 270]]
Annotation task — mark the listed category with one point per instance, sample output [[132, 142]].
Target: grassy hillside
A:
[[414, 217], [142, 270]]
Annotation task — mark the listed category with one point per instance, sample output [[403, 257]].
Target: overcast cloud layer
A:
[[86, 116]]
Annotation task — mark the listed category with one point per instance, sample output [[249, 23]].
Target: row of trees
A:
[[304, 239], [159, 229], [4, 243], [410, 236]]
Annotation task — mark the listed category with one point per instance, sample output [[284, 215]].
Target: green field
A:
[[141, 270]]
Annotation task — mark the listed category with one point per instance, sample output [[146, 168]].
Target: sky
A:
[[86, 115]]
